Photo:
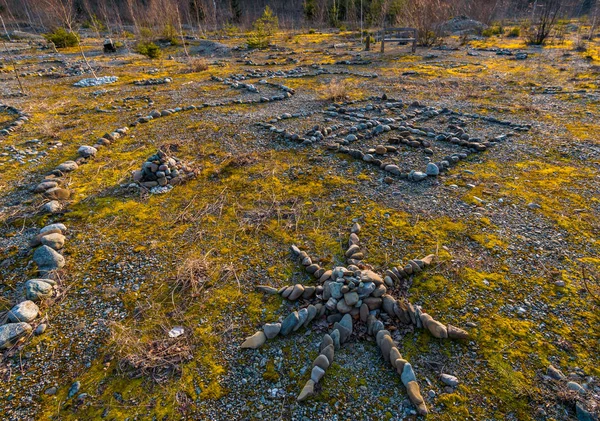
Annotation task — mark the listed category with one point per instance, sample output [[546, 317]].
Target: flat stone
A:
[[312, 313], [336, 338], [25, 311], [555, 373], [370, 276], [344, 332], [388, 304], [317, 374], [379, 291], [10, 333], [336, 289], [437, 329], [432, 169], [379, 336], [296, 292], [456, 333], [414, 394], [351, 298], [87, 151], [576, 387], [342, 307], [364, 312], [321, 361], [399, 364], [329, 352], [41, 328], [302, 317], [255, 341], [55, 241], [289, 323], [53, 227], [57, 193], [387, 344], [52, 207], [408, 375], [373, 302], [325, 342], [271, 329], [307, 391], [394, 356], [449, 380], [67, 166]]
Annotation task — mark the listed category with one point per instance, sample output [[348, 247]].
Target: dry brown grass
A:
[[197, 64], [335, 90], [159, 359], [192, 276]]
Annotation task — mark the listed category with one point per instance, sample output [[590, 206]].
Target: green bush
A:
[[149, 49], [514, 32], [263, 29], [169, 34], [62, 38], [493, 30]]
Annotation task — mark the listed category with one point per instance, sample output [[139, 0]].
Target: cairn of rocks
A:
[[48, 244], [22, 117], [151, 82], [404, 120], [161, 172], [355, 293]]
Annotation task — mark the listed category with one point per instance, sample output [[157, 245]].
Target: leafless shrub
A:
[[426, 16], [335, 90], [543, 20]]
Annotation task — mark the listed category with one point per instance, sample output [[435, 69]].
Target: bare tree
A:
[[542, 25]]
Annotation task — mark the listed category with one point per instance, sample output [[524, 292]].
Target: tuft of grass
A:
[[192, 276], [197, 64], [335, 90]]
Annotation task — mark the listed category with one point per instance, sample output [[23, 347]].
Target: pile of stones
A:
[[150, 82], [394, 116], [161, 172], [13, 125], [103, 80], [351, 292], [48, 243]]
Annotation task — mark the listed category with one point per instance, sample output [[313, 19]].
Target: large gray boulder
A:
[[462, 25]]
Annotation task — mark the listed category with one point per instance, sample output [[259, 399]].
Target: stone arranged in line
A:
[[48, 260], [14, 125], [154, 81], [356, 292]]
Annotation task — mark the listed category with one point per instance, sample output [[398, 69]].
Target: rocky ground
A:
[[181, 191]]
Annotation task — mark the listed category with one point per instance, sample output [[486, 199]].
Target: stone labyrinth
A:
[[397, 137], [406, 141], [356, 291]]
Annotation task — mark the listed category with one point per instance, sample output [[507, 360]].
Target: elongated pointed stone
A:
[[408, 375], [312, 312], [456, 333], [307, 391], [289, 323], [414, 394], [302, 317], [394, 355], [327, 340], [255, 341], [267, 289], [387, 343], [329, 352]]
